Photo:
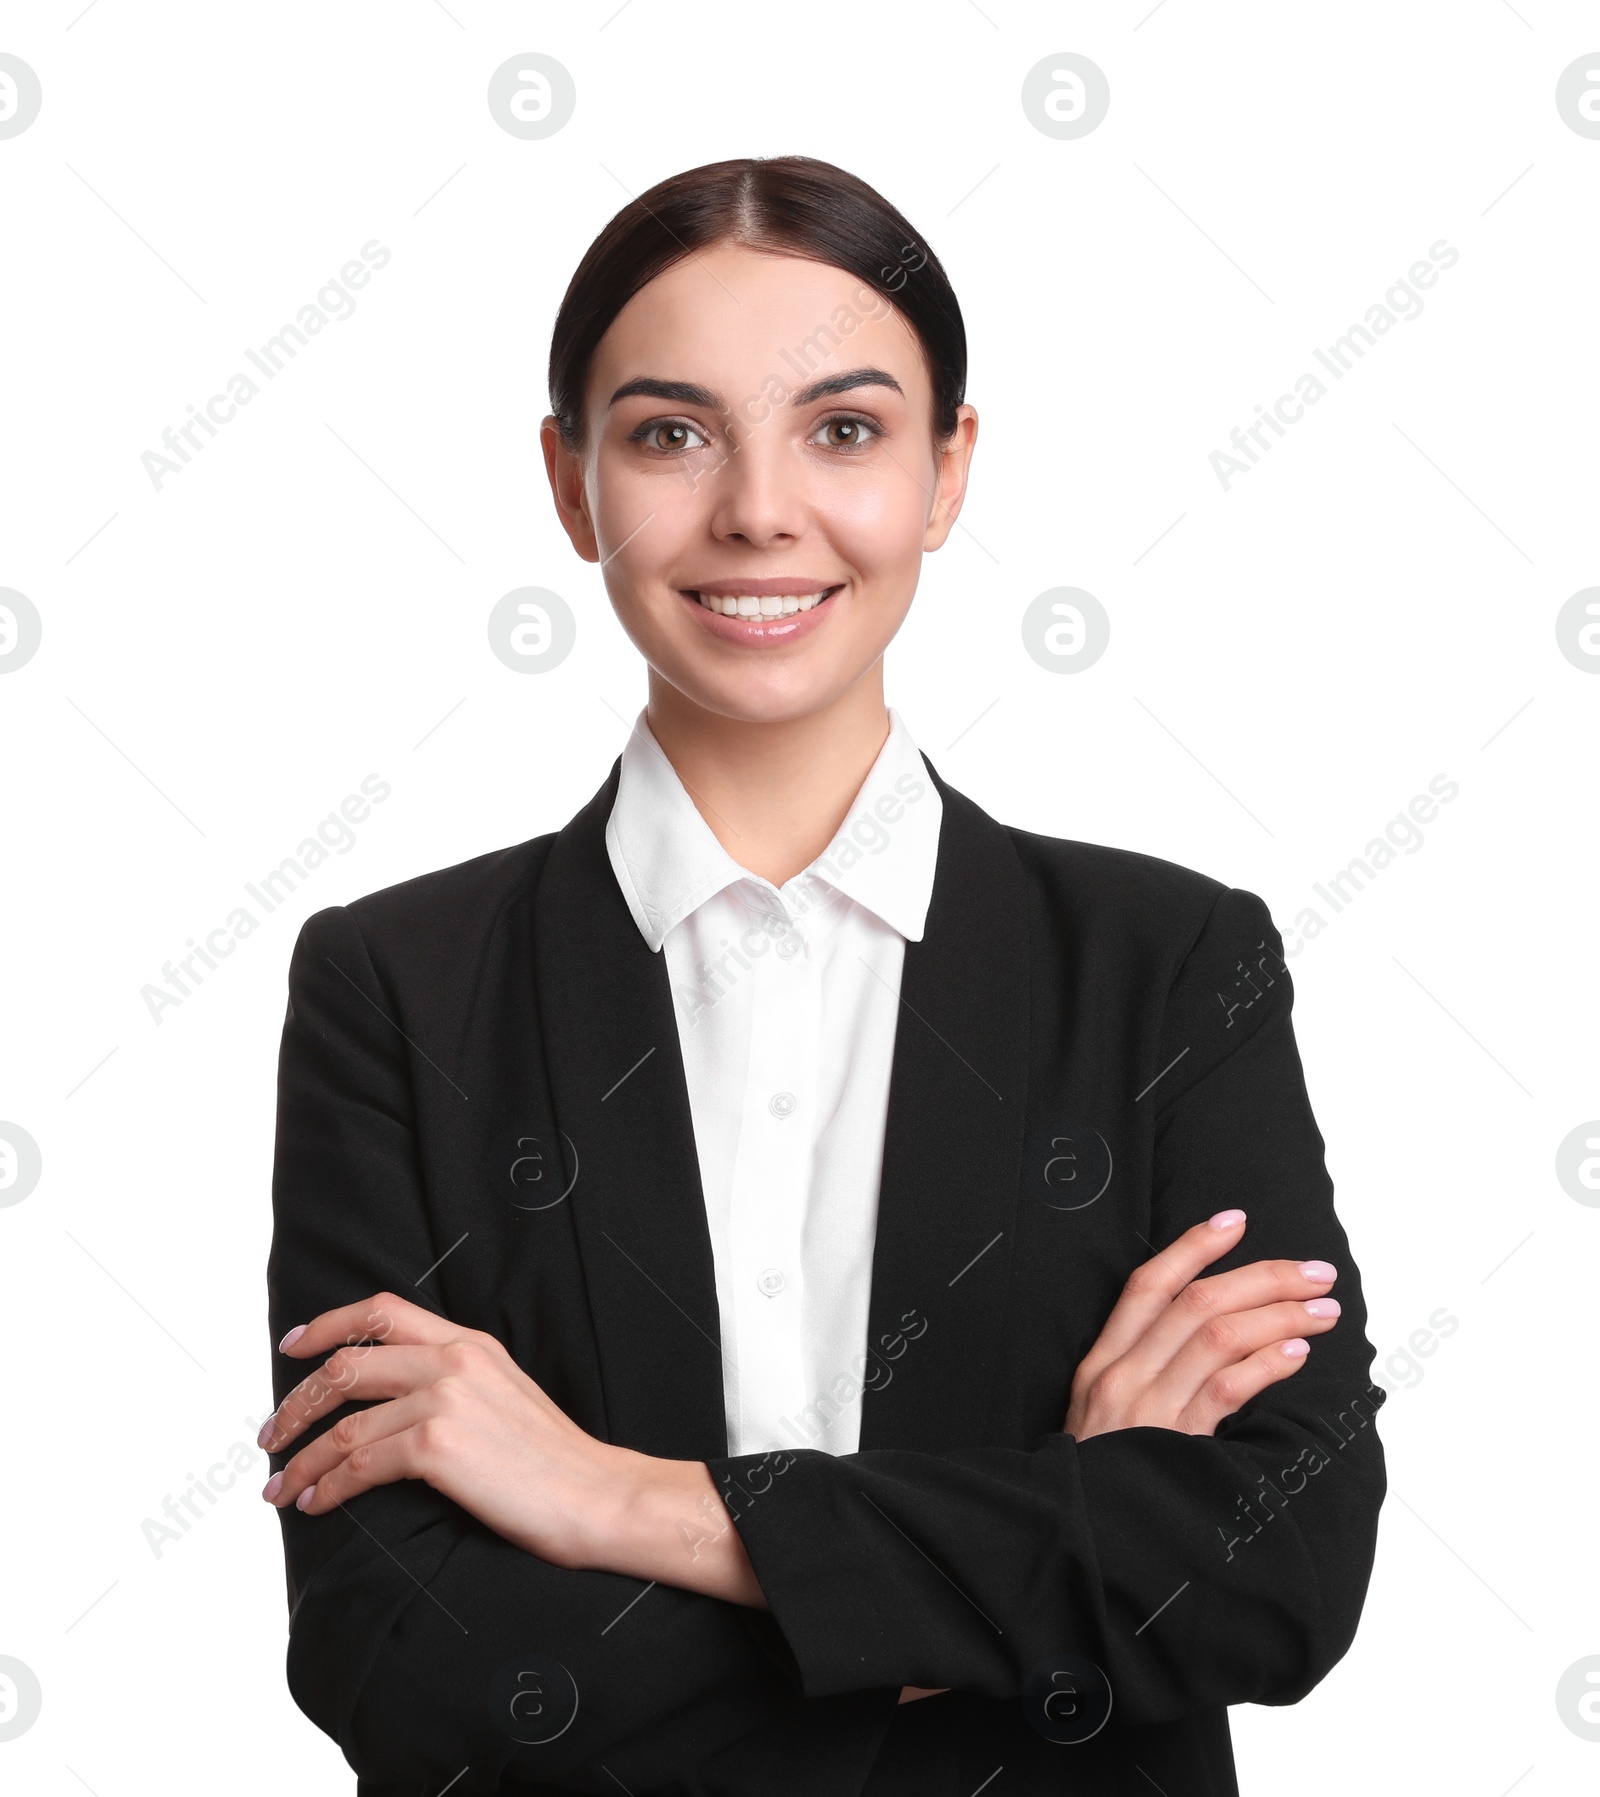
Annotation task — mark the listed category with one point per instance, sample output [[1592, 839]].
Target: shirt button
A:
[[788, 946], [782, 1104], [771, 1282]]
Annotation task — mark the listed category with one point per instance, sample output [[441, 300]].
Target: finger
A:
[[1154, 1283], [1265, 1282], [380, 1318], [357, 1429], [1234, 1387], [347, 1373], [381, 1462], [1202, 1301], [1224, 1341]]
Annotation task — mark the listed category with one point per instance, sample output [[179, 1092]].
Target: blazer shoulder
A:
[[1097, 875], [1204, 957], [1157, 927], [1141, 911], [459, 903]]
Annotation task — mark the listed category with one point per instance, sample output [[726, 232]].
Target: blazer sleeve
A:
[[1194, 1571], [403, 1608]]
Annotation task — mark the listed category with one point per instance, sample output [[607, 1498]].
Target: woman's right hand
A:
[[1178, 1352]]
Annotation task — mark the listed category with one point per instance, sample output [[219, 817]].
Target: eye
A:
[[857, 431], [667, 436]]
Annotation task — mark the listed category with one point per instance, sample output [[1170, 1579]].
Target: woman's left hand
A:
[[455, 1410]]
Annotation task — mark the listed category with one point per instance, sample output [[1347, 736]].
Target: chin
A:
[[760, 695]]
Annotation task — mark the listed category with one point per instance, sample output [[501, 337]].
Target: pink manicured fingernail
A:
[[1324, 1307], [1225, 1219], [292, 1337], [303, 1502], [1319, 1271], [1298, 1348], [268, 1429], [272, 1487]]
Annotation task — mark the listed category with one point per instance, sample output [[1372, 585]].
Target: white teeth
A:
[[748, 606]]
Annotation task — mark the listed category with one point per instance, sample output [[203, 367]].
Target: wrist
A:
[[666, 1521]]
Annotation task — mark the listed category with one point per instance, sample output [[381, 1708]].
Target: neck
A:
[[773, 794]]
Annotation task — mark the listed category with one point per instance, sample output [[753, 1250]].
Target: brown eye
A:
[[669, 436], [847, 433]]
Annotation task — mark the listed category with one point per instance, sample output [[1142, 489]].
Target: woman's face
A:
[[759, 430]]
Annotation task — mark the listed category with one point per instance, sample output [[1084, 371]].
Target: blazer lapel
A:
[[952, 1160], [617, 1084]]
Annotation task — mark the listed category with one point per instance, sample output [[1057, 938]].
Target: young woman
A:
[[761, 1272]]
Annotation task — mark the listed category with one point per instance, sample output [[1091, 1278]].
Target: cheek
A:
[[880, 524], [622, 498], [646, 528]]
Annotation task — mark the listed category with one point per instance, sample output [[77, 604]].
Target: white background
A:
[[224, 659]]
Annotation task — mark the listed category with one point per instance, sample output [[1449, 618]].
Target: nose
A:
[[758, 491]]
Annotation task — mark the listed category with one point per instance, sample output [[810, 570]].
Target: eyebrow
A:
[[690, 393]]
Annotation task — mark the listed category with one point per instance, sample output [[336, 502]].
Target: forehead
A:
[[731, 318]]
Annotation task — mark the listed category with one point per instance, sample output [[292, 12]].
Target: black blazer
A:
[[480, 1075]]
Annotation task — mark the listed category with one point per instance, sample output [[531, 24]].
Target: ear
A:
[[565, 469], [950, 478]]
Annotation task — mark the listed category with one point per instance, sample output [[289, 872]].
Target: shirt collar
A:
[[668, 862]]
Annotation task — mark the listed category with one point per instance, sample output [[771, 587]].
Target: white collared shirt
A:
[[787, 1000]]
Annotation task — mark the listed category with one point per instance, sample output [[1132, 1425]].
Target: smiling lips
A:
[[761, 610]]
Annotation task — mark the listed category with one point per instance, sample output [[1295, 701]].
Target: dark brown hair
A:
[[786, 205]]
